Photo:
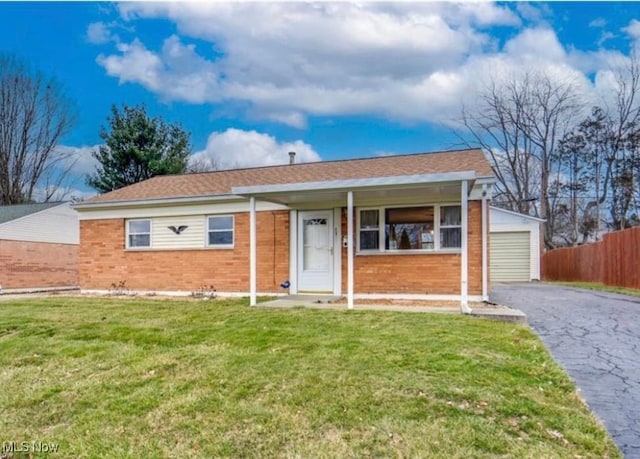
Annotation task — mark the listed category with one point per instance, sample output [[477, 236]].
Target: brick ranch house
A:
[[411, 226]]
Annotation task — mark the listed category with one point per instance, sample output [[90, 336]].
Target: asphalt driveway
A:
[[595, 336]]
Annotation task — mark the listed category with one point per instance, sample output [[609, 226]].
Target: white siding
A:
[[54, 225], [193, 237]]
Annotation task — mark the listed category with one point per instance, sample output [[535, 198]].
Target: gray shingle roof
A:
[[15, 211]]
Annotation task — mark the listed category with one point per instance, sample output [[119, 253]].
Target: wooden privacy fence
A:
[[613, 261]]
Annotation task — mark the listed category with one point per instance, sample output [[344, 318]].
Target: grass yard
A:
[[134, 378], [600, 287]]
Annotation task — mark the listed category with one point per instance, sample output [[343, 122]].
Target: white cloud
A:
[[489, 14], [535, 14], [598, 23], [99, 33], [79, 159], [286, 61], [536, 45], [633, 29], [236, 148], [136, 64], [382, 153], [605, 36]]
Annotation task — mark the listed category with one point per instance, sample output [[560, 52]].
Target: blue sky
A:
[[251, 81]]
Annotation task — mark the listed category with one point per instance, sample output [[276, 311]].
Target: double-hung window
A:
[[450, 227], [369, 229], [220, 232], [418, 228], [138, 234]]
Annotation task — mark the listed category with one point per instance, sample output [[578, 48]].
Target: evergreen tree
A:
[[137, 147]]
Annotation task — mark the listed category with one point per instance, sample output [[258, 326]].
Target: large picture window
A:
[[428, 228], [406, 228], [220, 231], [138, 234]]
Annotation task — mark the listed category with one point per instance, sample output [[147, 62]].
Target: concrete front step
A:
[[504, 314]]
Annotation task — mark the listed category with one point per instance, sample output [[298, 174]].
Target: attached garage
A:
[[514, 252]]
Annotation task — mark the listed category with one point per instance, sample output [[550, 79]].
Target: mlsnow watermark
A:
[[29, 447]]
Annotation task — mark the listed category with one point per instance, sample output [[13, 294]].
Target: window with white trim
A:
[[450, 227], [138, 234], [406, 228], [220, 231], [369, 229], [426, 228]]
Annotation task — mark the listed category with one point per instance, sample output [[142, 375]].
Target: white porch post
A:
[[485, 279], [464, 249], [293, 252], [252, 252], [349, 249]]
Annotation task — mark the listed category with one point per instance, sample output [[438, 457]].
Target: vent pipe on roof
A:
[[292, 157]]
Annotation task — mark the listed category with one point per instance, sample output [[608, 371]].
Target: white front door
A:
[[315, 251]]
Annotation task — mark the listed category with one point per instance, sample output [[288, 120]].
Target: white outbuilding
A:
[[38, 247], [514, 250]]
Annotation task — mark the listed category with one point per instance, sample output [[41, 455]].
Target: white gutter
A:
[[353, 184], [81, 206]]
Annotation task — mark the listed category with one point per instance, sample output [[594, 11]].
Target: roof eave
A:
[[355, 184], [517, 214], [88, 206]]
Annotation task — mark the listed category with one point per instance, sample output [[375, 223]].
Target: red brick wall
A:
[[104, 261], [37, 264], [475, 247], [428, 274]]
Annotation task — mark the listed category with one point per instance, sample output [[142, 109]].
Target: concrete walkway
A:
[[595, 336], [328, 302]]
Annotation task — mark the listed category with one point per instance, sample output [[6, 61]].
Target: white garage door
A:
[[510, 257]]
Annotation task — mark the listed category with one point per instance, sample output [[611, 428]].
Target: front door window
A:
[[316, 244], [315, 248]]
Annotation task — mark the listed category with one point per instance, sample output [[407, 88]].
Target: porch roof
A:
[[439, 184]]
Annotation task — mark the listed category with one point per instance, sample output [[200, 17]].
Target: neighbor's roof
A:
[[222, 182], [15, 211]]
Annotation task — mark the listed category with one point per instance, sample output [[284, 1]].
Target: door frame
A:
[[294, 249]]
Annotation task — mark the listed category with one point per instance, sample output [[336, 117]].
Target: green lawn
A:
[[137, 378], [600, 287]]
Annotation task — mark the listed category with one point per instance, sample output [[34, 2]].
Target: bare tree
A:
[[519, 122], [623, 120], [611, 152], [34, 115], [199, 164], [497, 126]]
